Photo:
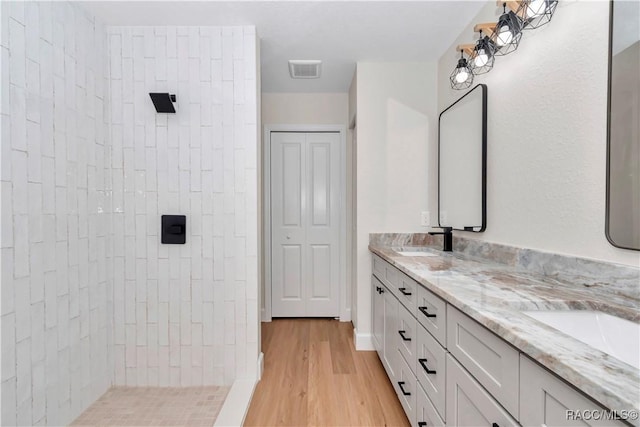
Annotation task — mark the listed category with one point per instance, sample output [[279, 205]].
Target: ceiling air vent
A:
[[304, 69]]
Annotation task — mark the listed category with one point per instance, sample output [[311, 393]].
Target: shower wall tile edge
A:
[[56, 235]]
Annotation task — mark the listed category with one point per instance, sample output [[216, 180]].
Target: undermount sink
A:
[[612, 335], [416, 253]]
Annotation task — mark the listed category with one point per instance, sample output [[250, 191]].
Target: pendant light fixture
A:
[[483, 55], [536, 13], [462, 76], [507, 33]]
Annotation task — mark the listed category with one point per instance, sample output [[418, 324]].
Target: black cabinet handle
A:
[[423, 362], [404, 291], [378, 289], [406, 393], [422, 424], [425, 312], [381, 290], [495, 425], [403, 337]]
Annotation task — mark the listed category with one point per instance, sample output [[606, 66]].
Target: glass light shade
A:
[[481, 58], [462, 75]]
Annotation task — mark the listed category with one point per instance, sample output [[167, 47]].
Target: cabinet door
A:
[[378, 315], [468, 404], [545, 400], [492, 361], [391, 354]]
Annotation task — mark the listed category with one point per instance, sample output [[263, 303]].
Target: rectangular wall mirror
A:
[[462, 162], [623, 146]]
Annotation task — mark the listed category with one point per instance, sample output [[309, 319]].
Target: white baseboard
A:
[[263, 315], [260, 365], [362, 341], [235, 406]]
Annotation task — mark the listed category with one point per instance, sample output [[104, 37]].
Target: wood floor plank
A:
[[341, 356], [300, 386]]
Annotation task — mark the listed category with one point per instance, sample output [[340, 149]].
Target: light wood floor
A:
[[313, 376]]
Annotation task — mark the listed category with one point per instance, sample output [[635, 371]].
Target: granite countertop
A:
[[495, 296]]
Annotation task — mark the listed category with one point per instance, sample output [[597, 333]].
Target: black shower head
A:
[[163, 102]]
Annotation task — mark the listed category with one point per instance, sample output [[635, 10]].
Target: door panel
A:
[[305, 191], [292, 268], [288, 168], [291, 185], [320, 269]]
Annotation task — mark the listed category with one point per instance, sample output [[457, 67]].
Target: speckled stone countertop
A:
[[495, 295]]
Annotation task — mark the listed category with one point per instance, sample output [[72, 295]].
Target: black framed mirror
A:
[[462, 162], [622, 217]]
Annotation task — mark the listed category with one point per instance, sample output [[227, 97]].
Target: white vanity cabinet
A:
[[546, 400], [448, 369]]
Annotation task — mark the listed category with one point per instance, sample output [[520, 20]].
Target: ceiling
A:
[[340, 33]]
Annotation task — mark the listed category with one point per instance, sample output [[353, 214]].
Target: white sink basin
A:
[[615, 336], [416, 253]]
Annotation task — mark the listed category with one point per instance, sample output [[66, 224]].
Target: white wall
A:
[[56, 266], [547, 118], [185, 314], [305, 108], [396, 123]]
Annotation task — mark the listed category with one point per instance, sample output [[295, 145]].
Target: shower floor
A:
[[155, 406]]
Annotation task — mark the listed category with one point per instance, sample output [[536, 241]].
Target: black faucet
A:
[[447, 233]]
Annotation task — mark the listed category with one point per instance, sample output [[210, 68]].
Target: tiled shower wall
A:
[[56, 272], [184, 314]]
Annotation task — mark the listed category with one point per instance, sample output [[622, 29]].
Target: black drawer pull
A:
[[381, 291], [422, 424], [495, 425], [423, 362], [404, 291], [406, 393], [425, 312], [403, 337], [378, 289]]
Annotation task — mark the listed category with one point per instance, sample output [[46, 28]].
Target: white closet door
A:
[[305, 224]]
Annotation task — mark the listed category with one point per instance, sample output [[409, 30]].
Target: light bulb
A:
[[504, 35], [481, 58], [462, 75], [536, 8]]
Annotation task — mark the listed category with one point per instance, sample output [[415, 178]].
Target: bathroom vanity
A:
[[453, 335]]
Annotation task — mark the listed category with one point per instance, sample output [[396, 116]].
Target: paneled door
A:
[[305, 224]]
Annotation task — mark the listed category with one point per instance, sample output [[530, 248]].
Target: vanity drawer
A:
[[407, 336], [547, 400], [431, 368], [431, 312], [406, 289], [468, 404], [379, 266], [385, 272], [426, 414], [406, 385], [493, 362]]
